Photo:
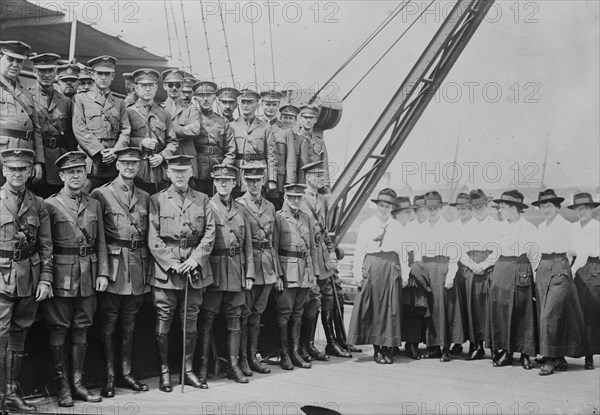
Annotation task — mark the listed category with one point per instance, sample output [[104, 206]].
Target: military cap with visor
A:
[[204, 87], [104, 63], [228, 94], [145, 75], [17, 157], [295, 189], [224, 171], [271, 96], [129, 154], [15, 49], [68, 71], [71, 159], [45, 60], [249, 94], [180, 161]]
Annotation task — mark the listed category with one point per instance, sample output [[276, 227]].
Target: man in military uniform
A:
[[25, 269], [187, 89], [232, 264], [215, 144], [285, 151], [295, 244], [261, 218], [68, 80], [227, 102], [270, 101], [100, 123], [80, 269], [152, 131], [130, 88], [86, 79], [125, 217], [180, 238], [54, 116], [254, 140], [19, 125], [310, 146]]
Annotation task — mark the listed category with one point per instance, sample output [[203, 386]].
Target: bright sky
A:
[[529, 75]]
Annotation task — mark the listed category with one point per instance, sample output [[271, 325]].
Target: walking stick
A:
[[185, 298]]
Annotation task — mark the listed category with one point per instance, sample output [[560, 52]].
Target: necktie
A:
[[379, 238]]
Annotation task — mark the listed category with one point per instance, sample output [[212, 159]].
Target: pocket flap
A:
[[64, 259]]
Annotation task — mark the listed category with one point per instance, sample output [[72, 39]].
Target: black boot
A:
[[233, 351], [476, 353], [286, 362], [294, 326], [332, 348], [589, 362], [127, 380], [255, 364], [243, 361], [57, 354], [305, 337], [311, 329], [412, 350], [3, 408], [12, 400], [79, 391], [445, 355], [378, 354], [338, 322], [108, 388], [205, 342], [162, 341], [525, 362], [189, 377], [505, 359]]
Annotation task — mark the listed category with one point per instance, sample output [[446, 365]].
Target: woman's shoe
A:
[[378, 355], [548, 368], [589, 363], [525, 362], [561, 364]]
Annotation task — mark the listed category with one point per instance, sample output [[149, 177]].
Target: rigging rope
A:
[[226, 46], [168, 30], [187, 43], [254, 54], [176, 33], [272, 55], [212, 75]]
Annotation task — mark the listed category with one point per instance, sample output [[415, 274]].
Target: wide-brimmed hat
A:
[[403, 203], [512, 197], [386, 195], [546, 196], [434, 199], [419, 201], [582, 199], [462, 200], [477, 198]]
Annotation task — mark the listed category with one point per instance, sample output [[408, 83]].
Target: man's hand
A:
[[271, 185], [43, 291], [37, 172], [155, 160], [101, 284], [149, 143], [188, 265], [249, 284], [108, 155], [279, 284]]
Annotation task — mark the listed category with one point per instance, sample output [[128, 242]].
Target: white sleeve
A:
[[360, 252]]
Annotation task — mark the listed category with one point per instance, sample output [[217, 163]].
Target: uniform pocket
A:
[[524, 280], [63, 268]]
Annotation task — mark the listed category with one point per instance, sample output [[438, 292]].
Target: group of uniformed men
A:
[[111, 196]]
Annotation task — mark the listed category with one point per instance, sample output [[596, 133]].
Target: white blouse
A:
[[518, 238], [555, 237], [585, 242]]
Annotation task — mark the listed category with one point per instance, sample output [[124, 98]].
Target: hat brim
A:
[[220, 176], [18, 163], [479, 202], [294, 194], [15, 55], [128, 158], [377, 200], [436, 204], [537, 203], [101, 68], [71, 166], [593, 205], [254, 176], [460, 204], [509, 202], [68, 77], [400, 209]]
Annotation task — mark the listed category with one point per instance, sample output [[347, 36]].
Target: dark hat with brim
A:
[[295, 189], [128, 77], [71, 159], [146, 75], [249, 94], [403, 203], [180, 162], [477, 198], [228, 94], [547, 196], [583, 199], [86, 73], [461, 200], [434, 199], [17, 157], [289, 109], [45, 60], [104, 63], [204, 87], [68, 72], [273, 96], [15, 49], [188, 83], [172, 75], [386, 195], [419, 201], [512, 197], [129, 154], [224, 171], [253, 171], [310, 109]]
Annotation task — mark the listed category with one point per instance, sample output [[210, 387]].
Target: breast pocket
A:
[[7, 227], [199, 221], [92, 226], [94, 118], [114, 218], [62, 230], [33, 223], [142, 219], [168, 225], [524, 280]]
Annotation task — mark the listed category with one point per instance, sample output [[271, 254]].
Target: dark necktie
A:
[[379, 238]]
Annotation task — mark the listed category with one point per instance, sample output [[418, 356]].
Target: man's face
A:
[[293, 201], [584, 212], [103, 79], [548, 210], [205, 100], [248, 107], [187, 95], [464, 212], [16, 177], [180, 177], [384, 209], [270, 108], [146, 90], [85, 85], [45, 77], [10, 67], [255, 186], [228, 107], [224, 187], [315, 179], [129, 87], [73, 178], [173, 89], [308, 121], [128, 169], [287, 119], [68, 86]]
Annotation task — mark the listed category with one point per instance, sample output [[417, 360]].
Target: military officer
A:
[[125, 217], [187, 89], [130, 88], [100, 122], [261, 218], [270, 101], [253, 138], [152, 131], [80, 269], [54, 115], [288, 114], [215, 144], [232, 264], [184, 116], [19, 125], [68, 79], [86, 79], [181, 236], [285, 151], [25, 268], [310, 145], [295, 244], [227, 102]]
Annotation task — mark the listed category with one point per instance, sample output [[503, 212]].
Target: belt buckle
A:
[[134, 244], [247, 157], [183, 243], [303, 255], [52, 142], [17, 254], [82, 250], [28, 134], [209, 150], [232, 251]]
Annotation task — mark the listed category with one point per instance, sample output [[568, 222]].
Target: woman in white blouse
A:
[[380, 262], [585, 245], [561, 318]]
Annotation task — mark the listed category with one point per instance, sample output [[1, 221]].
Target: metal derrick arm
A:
[[351, 191]]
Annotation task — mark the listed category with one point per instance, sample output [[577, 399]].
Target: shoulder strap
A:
[[239, 238], [20, 102], [182, 214], [301, 233], [125, 209], [46, 114], [30, 238], [256, 219], [73, 220], [314, 213]]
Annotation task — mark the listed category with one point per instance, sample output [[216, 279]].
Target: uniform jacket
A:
[[326, 258], [168, 216], [60, 110], [21, 277], [215, 132], [295, 232], [232, 231], [161, 129], [287, 160], [127, 268], [255, 139], [186, 121], [310, 147], [14, 117], [100, 122], [74, 275]]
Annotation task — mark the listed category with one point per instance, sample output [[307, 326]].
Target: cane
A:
[[185, 299]]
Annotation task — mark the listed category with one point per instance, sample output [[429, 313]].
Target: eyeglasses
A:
[[174, 84]]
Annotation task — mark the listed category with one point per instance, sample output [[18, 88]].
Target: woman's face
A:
[[384, 209]]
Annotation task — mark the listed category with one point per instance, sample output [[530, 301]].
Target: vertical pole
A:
[[73, 39]]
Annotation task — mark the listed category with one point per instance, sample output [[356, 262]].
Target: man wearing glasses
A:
[[100, 123]]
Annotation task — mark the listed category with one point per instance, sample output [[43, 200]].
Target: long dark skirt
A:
[[377, 313], [446, 323], [461, 283], [476, 298], [511, 323], [414, 311], [561, 318], [587, 282]]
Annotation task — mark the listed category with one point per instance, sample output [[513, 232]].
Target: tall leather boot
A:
[[294, 340], [127, 380], [332, 348], [305, 335], [243, 360], [286, 362], [233, 349], [205, 339], [3, 408], [255, 364], [78, 390], [162, 341], [57, 354], [189, 377], [108, 388], [311, 329], [338, 323], [12, 400]]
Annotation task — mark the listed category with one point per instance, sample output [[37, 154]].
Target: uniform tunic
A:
[[255, 144], [310, 147], [215, 144], [285, 151], [186, 121]]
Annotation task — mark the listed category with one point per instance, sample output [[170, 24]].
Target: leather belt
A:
[[17, 254], [250, 156], [127, 243], [209, 150], [183, 242], [293, 254], [261, 245], [10, 132], [81, 251], [53, 142], [233, 251]]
